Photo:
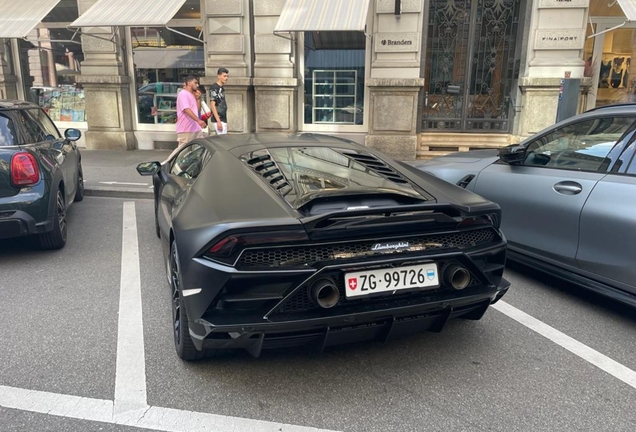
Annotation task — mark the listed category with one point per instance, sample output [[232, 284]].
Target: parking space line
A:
[[130, 407], [588, 354], [153, 418], [57, 404], [130, 378]]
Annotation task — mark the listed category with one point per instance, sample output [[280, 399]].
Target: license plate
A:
[[391, 279]]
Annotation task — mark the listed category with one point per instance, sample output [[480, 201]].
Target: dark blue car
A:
[[40, 174]]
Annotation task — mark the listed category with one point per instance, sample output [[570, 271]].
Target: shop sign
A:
[[563, 3], [397, 42], [567, 39]]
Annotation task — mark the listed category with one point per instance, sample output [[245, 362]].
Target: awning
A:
[[139, 13], [18, 19], [629, 8], [323, 15]]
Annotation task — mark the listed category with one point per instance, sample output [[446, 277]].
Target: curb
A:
[[119, 192]]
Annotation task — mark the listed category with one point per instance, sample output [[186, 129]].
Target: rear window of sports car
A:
[[7, 132], [298, 172]]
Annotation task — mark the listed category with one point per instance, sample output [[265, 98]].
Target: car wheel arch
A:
[[55, 237], [56, 185]]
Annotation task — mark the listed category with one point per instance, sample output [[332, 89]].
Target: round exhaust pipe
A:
[[456, 276], [325, 293]]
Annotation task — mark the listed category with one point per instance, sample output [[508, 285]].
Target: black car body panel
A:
[[254, 243], [28, 210]]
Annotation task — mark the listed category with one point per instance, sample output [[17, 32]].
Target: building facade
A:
[[404, 76]]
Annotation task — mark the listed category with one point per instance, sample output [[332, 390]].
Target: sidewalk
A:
[[113, 173]]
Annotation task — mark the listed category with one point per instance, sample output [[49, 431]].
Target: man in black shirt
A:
[[218, 105]]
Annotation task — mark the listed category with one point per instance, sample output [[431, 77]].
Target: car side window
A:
[[8, 135], [631, 169], [22, 123], [46, 122], [189, 162], [581, 146], [33, 127]]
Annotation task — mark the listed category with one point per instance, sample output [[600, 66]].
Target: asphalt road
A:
[[59, 329]]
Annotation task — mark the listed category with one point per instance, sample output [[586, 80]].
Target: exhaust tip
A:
[[325, 293], [457, 277]]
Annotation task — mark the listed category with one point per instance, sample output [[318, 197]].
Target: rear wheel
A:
[[180, 323], [79, 192], [56, 238], [157, 230]]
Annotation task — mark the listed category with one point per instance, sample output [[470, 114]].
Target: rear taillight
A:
[[231, 245], [484, 219], [24, 170]]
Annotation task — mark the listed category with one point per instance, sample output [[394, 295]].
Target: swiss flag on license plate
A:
[[352, 283]]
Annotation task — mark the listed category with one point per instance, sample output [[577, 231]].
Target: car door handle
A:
[[568, 188]]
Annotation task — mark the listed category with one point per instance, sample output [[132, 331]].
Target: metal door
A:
[[471, 65]]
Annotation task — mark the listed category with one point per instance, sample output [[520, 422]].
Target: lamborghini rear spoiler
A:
[[417, 217]]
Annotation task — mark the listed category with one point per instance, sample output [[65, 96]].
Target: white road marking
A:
[[57, 404], [130, 378], [130, 406], [123, 183], [588, 354], [153, 418]]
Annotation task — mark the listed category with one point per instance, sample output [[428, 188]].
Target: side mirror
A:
[[514, 154], [72, 134], [148, 168]]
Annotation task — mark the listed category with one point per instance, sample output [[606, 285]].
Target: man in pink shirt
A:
[[189, 124]]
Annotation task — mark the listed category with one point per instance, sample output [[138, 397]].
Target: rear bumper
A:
[[26, 213], [255, 310], [18, 224], [381, 325]]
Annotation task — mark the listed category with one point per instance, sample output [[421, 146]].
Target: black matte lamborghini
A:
[[309, 240]]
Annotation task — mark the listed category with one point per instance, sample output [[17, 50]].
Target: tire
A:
[[56, 238], [157, 230], [180, 323], [79, 193]]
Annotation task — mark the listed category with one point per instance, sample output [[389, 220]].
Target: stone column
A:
[[227, 27], [8, 80], [557, 38], [395, 78], [109, 112], [393, 120], [36, 71], [275, 84], [540, 101]]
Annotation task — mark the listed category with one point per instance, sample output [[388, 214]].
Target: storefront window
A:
[[609, 63], [614, 84], [162, 60], [334, 77], [50, 66]]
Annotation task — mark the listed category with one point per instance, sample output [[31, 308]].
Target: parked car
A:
[[281, 240], [568, 197], [40, 174]]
